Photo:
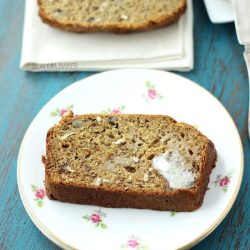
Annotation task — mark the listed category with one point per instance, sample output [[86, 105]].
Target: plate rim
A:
[[59, 242]]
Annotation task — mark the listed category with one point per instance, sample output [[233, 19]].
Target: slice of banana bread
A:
[[110, 15], [136, 161]]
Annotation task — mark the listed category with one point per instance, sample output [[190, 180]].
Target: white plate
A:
[[220, 11], [132, 91]]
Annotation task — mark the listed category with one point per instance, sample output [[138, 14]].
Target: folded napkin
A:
[[48, 49], [241, 13], [219, 11]]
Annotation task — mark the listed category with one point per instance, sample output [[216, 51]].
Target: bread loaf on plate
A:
[[110, 15], [133, 161]]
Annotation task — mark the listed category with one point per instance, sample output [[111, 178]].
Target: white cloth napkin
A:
[[241, 13], [48, 49], [219, 11]]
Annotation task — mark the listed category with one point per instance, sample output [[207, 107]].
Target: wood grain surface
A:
[[219, 67]]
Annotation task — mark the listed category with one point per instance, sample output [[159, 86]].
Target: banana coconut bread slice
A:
[[134, 161], [110, 15]]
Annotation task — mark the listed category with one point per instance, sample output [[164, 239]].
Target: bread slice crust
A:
[[157, 21], [108, 196]]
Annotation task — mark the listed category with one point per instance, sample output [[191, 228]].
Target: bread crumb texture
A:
[[117, 152]]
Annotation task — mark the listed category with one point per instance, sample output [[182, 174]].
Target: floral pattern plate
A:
[[74, 226]]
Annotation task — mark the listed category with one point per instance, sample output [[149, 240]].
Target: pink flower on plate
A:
[[152, 93], [132, 243], [224, 181], [40, 193], [63, 111], [95, 218], [116, 111]]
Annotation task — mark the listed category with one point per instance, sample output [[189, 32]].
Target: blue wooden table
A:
[[219, 67]]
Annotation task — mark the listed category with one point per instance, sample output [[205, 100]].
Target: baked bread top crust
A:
[[120, 16]]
